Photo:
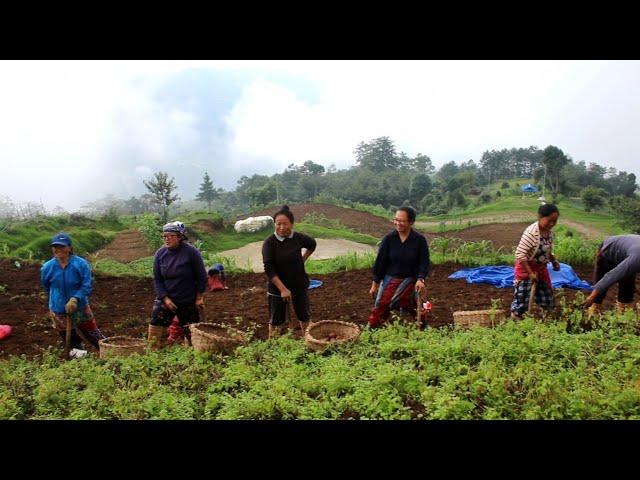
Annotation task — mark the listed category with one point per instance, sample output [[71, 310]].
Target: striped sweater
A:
[[529, 243]]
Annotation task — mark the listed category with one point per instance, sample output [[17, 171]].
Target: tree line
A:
[[388, 178]]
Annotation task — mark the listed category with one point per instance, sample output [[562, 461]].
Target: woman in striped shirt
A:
[[532, 255]]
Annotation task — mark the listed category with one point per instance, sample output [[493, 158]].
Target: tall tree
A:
[[162, 189], [377, 155], [422, 164], [554, 160], [207, 191], [420, 186]]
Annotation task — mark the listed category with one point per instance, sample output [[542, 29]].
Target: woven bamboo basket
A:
[[121, 346], [322, 334], [483, 318], [215, 338]]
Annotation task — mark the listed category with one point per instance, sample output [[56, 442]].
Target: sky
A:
[[72, 132]]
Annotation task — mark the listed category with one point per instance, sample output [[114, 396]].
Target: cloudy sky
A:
[[74, 131]]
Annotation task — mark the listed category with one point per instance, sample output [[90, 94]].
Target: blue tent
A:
[[528, 188]]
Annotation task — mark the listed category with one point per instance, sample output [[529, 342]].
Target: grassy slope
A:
[[511, 207], [31, 238]]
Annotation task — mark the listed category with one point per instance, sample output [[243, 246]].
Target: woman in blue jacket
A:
[[67, 280]]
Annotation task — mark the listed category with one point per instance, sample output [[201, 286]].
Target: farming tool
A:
[[532, 297], [67, 339]]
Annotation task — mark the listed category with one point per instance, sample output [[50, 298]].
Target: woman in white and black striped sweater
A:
[[532, 255]]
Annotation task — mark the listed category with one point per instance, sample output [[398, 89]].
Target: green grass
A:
[[341, 263], [525, 370], [143, 267]]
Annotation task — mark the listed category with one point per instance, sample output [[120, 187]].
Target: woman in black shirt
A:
[[284, 266], [401, 267]]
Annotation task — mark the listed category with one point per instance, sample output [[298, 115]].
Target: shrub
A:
[[151, 230]]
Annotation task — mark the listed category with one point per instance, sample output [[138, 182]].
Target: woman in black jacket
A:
[[401, 267], [284, 265]]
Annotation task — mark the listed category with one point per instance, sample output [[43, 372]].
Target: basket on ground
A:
[[483, 318], [215, 338], [121, 345], [322, 334]]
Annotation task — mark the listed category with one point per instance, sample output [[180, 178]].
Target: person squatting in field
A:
[[179, 280], [533, 252], [617, 260], [217, 280], [284, 266], [67, 279], [400, 269]]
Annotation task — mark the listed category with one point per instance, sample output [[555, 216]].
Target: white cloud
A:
[[72, 131]]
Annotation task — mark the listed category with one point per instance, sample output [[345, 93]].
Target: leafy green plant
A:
[[149, 227], [442, 244], [517, 370]]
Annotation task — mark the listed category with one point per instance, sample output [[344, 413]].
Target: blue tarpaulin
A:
[[502, 276], [529, 188], [314, 284]]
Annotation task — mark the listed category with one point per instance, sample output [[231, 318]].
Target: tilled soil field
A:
[[122, 305], [505, 235]]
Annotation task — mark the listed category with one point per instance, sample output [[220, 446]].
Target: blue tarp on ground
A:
[[314, 284], [529, 188], [502, 276]]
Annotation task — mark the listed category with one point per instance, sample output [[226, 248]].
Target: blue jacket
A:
[[62, 284]]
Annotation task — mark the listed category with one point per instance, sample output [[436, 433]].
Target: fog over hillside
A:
[[74, 131]]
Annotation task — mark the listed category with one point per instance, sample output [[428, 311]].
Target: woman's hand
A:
[[285, 294], [373, 290], [169, 304], [556, 265], [419, 285], [590, 299], [199, 301], [533, 277], [71, 306]]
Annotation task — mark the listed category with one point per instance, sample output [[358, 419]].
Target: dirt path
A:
[[250, 256], [129, 245]]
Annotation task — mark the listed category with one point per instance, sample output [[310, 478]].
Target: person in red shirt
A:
[[217, 281]]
